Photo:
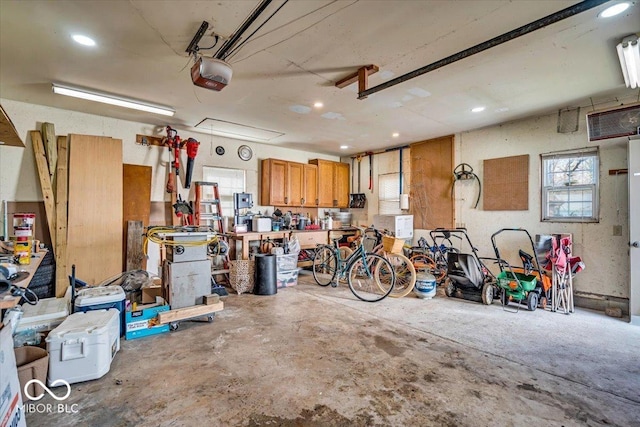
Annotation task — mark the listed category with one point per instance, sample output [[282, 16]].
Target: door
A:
[[342, 185], [274, 183], [634, 229], [310, 185], [295, 178], [325, 183]]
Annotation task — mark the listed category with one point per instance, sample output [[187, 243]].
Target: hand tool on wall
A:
[[192, 152], [175, 143], [464, 172]]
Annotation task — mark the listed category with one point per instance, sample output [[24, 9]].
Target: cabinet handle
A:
[[335, 203], [302, 201], [286, 200], [317, 202]]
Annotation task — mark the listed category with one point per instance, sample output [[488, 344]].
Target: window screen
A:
[[389, 194]]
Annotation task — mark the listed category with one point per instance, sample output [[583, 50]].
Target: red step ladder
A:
[[208, 211]]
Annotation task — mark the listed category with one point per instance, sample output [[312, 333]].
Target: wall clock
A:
[[244, 152]]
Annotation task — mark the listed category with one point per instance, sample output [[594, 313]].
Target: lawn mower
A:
[[521, 284]]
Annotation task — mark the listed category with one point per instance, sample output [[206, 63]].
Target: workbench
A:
[[241, 242], [9, 301]]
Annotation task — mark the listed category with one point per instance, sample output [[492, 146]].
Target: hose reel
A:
[[464, 172]]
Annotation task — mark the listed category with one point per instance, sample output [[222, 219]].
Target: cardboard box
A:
[[11, 409], [150, 293], [144, 321]]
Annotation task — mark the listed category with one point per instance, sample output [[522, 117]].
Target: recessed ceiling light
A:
[[477, 109], [83, 40], [395, 134], [614, 10], [318, 104], [344, 147]]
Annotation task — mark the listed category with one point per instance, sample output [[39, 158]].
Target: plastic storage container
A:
[[287, 278], [44, 316], [83, 346], [103, 298]]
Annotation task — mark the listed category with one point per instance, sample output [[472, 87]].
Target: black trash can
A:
[[266, 275]]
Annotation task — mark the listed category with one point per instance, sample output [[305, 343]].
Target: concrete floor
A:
[[313, 356]]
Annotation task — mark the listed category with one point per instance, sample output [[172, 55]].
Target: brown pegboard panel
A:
[[506, 184]]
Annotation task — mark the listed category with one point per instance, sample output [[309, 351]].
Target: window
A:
[[229, 181], [570, 186], [389, 194]]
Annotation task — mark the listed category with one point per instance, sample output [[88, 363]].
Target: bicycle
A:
[[370, 277], [402, 266]]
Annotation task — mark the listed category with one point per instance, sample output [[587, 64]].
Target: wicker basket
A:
[[241, 275], [391, 244]]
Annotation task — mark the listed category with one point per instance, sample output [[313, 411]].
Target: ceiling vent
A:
[[614, 123]]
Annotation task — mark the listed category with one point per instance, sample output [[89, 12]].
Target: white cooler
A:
[[44, 316], [83, 346]]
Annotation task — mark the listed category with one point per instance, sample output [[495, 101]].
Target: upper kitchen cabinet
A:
[[288, 184], [333, 183]]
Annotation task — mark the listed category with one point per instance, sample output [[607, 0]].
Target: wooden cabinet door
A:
[[295, 179], [325, 183], [341, 186], [274, 183], [310, 185]]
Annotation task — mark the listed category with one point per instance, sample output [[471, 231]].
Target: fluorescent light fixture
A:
[[318, 104], [112, 100], [477, 109], [344, 147], [83, 40], [629, 55], [395, 134], [614, 10]]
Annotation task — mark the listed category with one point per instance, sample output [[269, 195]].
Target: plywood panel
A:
[[431, 169], [8, 132], [62, 187], [506, 184], [94, 242], [136, 199]]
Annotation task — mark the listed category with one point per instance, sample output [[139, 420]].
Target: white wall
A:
[[19, 178], [606, 256]]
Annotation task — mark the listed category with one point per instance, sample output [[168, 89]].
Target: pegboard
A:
[[506, 184]]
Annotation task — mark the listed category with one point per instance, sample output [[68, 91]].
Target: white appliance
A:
[[83, 346], [400, 225]]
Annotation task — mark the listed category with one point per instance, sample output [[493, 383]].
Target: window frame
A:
[[547, 188], [396, 177]]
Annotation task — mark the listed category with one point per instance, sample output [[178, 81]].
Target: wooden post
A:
[[51, 148], [60, 250], [45, 183]]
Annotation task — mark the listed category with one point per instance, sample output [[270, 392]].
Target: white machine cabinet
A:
[[400, 225]]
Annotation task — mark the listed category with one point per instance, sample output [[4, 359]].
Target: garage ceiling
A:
[[294, 60]]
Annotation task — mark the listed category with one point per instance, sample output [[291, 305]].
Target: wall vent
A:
[[614, 123]]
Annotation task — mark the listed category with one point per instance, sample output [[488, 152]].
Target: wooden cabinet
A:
[[273, 189], [288, 183], [333, 183]]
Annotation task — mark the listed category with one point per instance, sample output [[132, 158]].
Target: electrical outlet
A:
[[617, 230]]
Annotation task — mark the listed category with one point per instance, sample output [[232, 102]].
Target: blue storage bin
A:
[[102, 298]]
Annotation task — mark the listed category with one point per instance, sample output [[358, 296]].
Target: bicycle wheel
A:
[[324, 265], [405, 274], [371, 279]]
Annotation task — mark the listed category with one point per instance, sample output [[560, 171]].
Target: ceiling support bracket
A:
[[361, 76]]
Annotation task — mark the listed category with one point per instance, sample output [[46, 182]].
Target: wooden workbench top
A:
[[9, 301]]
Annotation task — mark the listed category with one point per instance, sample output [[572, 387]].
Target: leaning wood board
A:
[[94, 229], [431, 166], [62, 281], [45, 182]]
